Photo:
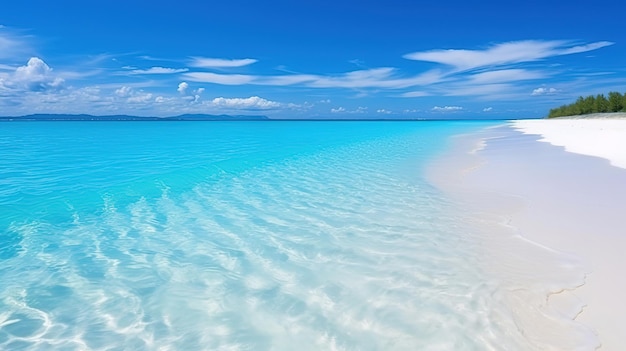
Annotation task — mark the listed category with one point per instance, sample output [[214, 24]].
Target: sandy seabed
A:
[[561, 185]]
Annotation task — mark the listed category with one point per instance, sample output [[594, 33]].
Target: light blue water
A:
[[237, 236]]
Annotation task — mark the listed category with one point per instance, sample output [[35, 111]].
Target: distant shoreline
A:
[[121, 118], [211, 118]]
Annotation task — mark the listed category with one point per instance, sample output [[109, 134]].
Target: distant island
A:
[[85, 117], [615, 102]]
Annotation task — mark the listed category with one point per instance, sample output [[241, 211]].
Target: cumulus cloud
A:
[[358, 110], [250, 103], [182, 87], [36, 75], [133, 96], [124, 91], [140, 97], [191, 95], [447, 108], [544, 91], [158, 70], [206, 62], [504, 53]]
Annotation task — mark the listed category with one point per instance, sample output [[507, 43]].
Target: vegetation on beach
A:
[[615, 102]]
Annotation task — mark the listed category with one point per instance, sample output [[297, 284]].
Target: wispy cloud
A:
[[383, 77], [13, 45], [463, 72], [158, 70], [411, 94], [216, 78], [509, 70], [206, 62], [505, 75], [504, 53]]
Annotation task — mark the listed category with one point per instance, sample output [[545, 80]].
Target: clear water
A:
[[237, 236]]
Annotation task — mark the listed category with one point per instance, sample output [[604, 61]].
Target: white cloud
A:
[[13, 45], [447, 108], [224, 79], [36, 75], [6, 45], [140, 97], [415, 94], [382, 77], [358, 110], [182, 87], [465, 89], [205, 62], [124, 91], [286, 79], [505, 75], [383, 111], [503, 54], [133, 96], [251, 103], [544, 91], [586, 47], [158, 70], [193, 96], [487, 109]]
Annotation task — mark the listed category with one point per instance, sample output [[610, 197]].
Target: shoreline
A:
[[551, 220]]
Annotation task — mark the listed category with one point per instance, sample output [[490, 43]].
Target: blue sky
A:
[[317, 59]]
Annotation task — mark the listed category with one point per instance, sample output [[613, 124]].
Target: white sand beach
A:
[[561, 184], [584, 213]]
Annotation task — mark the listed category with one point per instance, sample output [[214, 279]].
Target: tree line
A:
[[615, 102]]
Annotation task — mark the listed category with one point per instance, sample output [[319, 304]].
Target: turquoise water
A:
[[237, 236]]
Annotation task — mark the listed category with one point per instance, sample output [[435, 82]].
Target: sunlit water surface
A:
[[238, 236]]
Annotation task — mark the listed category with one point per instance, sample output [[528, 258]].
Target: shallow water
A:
[[239, 236]]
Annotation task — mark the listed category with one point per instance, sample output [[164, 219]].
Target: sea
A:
[[257, 235]]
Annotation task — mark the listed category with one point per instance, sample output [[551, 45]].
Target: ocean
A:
[[277, 235]]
